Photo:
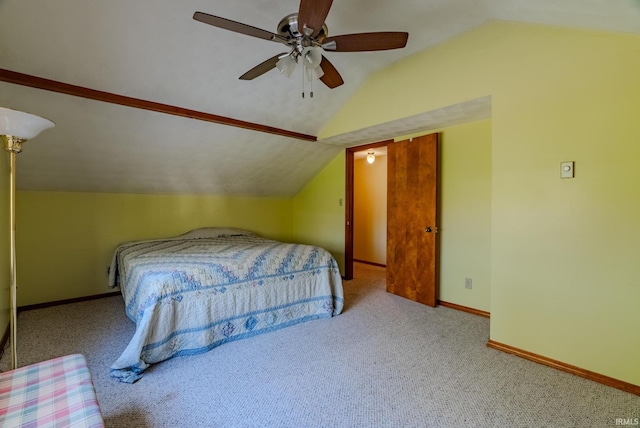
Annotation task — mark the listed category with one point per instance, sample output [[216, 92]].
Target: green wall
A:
[[65, 241], [565, 277], [318, 210]]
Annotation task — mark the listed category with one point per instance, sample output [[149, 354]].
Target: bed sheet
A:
[[189, 295]]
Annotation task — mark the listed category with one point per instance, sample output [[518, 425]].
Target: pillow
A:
[[214, 232]]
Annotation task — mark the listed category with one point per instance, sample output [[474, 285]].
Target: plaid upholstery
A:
[[53, 393]]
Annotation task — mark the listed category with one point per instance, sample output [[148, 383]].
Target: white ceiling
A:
[[155, 51]]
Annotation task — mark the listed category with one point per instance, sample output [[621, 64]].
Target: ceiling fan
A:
[[306, 35]]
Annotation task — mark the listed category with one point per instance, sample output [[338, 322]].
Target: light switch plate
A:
[[566, 170]]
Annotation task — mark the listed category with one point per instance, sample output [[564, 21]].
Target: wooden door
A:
[[411, 218]]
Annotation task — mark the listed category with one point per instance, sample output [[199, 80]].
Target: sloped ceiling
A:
[[155, 51]]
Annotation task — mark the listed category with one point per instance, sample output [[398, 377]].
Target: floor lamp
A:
[[16, 127]]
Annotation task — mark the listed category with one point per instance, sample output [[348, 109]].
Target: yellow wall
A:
[[65, 240], [318, 210], [370, 210], [465, 214], [565, 277]]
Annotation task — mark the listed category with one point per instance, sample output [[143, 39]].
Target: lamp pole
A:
[[15, 128], [14, 146]]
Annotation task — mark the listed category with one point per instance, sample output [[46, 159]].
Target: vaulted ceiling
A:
[[155, 51]]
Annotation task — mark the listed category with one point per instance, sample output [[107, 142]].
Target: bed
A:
[[191, 293]]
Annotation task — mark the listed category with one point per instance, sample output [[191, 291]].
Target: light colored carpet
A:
[[385, 362]]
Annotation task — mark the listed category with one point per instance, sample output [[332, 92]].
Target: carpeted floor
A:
[[384, 362]]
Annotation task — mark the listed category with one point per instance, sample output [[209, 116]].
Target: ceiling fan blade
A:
[[366, 42], [238, 27], [312, 14], [331, 77], [262, 68]]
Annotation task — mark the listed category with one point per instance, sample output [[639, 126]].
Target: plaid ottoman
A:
[[53, 393]]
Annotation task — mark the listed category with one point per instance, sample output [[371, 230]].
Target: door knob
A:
[[430, 229]]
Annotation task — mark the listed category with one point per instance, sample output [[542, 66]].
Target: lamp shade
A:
[[22, 125], [312, 57], [286, 65]]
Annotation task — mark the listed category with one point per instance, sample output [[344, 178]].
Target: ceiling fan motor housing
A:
[[288, 28]]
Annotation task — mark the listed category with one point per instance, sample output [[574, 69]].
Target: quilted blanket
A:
[[191, 293]]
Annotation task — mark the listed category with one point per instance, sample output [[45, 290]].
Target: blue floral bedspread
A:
[[189, 295]]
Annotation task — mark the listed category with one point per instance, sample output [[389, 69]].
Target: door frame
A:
[[348, 207]]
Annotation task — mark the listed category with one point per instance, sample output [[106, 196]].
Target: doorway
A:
[[349, 202], [411, 213]]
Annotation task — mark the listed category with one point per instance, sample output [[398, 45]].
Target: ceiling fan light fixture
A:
[[286, 65], [311, 57]]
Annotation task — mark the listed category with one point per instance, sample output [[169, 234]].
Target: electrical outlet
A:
[[468, 283]]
